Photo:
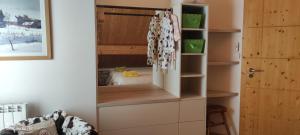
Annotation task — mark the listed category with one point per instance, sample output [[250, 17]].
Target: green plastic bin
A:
[[191, 20], [194, 45]]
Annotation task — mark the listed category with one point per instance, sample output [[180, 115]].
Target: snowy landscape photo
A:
[[22, 28]]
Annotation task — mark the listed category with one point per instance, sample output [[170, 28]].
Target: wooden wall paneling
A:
[[252, 41], [124, 29], [281, 42], [270, 100], [275, 75], [119, 36], [292, 112], [121, 50], [253, 11], [250, 102], [273, 104], [281, 12], [112, 61], [293, 81], [100, 20], [248, 124]]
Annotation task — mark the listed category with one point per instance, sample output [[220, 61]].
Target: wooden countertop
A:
[[220, 94], [132, 95]]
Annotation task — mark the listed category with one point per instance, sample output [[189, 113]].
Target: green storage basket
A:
[[191, 20], [194, 45]]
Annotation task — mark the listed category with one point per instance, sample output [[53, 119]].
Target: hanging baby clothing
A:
[[166, 43], [153, 35], [177, 34], [161, 42]]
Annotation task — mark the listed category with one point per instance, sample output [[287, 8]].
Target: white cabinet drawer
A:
[[192, 110], [192, 128], [131, 116], [155, 130]]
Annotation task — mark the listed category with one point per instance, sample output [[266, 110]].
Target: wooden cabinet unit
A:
[[175, 103]]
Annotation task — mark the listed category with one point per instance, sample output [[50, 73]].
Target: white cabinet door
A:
[[132, 116], [192, 128], [192, 110], [171, 129]]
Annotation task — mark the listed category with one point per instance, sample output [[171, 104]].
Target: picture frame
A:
[[25, 30]]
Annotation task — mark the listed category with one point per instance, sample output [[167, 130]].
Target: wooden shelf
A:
[[193, 54], [191, 75], [224, 30], [122, 49], [194, 29], [214, 30], [131, 95], [220, 94], [190, 96], [195, 4], [223, 63]]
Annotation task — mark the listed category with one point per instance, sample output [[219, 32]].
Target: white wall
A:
[[69, 80]]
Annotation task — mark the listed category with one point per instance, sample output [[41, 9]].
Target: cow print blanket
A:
[[66, 125]]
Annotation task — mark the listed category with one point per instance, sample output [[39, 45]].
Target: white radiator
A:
[[11, 114]]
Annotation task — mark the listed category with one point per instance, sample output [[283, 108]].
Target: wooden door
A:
[[270, 97]]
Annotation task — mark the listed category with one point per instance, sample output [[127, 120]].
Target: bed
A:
[[108, 77]]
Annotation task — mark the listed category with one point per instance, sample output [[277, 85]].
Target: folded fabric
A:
[[43, 128], [8, 132], [74, 125]]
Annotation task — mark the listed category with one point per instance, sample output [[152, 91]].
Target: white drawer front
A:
[[155, 130], [131, 116], [192, 110], [192, 128]]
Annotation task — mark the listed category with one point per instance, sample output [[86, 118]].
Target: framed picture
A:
[[25, 31]]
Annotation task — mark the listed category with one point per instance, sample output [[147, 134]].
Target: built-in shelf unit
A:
[[224, 58], [194, 65]]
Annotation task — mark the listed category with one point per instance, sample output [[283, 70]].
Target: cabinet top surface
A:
[[131, 95]]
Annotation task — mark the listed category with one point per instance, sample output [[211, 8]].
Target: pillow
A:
[[43, 128]]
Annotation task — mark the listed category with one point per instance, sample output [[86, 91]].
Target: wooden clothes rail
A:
[[109, 13], [122, 50], [137, 8]]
